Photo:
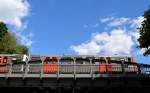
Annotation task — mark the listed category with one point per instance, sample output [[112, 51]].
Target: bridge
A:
[[76, 74], [75, 83], [66, 77]]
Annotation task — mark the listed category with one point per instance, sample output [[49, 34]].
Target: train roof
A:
[[55, 55]]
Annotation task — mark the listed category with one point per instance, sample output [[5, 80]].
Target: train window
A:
[[5, 60], [35, 61], [114, 61], [129, 59], [54, 58], [82, 61], [108, 58], [79, 62], [98, 61], [47, 60], [66, 61], [51, 61]]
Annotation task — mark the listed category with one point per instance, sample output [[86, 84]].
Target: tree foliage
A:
[[8, 42], [3, 30], [19, 49], [144, 39]]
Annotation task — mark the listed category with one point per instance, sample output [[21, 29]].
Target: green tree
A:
[[144, 39], [3, 30], [8, 42], [19, 49]]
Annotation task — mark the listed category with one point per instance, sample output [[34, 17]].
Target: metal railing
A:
[[74, 69]]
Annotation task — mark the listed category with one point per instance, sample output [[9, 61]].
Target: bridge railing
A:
[[74, 69]]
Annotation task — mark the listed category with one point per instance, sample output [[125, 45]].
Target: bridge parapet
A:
[[75, 71]]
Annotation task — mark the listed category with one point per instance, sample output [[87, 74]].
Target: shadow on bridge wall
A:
[[107, 85], [76, 90]]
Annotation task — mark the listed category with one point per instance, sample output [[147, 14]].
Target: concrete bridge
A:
[[88, 76]]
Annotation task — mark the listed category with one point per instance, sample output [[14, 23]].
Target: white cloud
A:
[[113, 22], [121, 39], [136, 23], [141, 51], [103, 20], [12, 11], [116, 42], [118, 21], [25, 39], [91, 48]]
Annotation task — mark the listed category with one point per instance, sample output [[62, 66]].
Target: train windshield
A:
[[35, 60], [66, 61], [50, 60], [98, 61], [82, 61], [114, 61]]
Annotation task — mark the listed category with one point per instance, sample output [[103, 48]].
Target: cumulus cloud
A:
[[91, 48], [121, 39], [116, 42], [12, 13]]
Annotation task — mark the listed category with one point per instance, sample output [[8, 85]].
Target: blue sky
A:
[[64, 26]]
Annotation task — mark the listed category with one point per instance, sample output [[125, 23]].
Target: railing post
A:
[[139, 69], [9, 69], [26, 69], [58, 60], [42, 66], [41, 69], [74, 66], [123, 67], [106, 65], [91, 68]]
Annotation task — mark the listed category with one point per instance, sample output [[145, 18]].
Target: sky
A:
[[86, 27]]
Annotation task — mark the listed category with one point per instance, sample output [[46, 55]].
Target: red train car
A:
[[101, 63], [112, 64], [50, 64], [102, 67], [4, 61]]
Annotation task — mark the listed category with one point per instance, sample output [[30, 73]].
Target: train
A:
[[69, 64]]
